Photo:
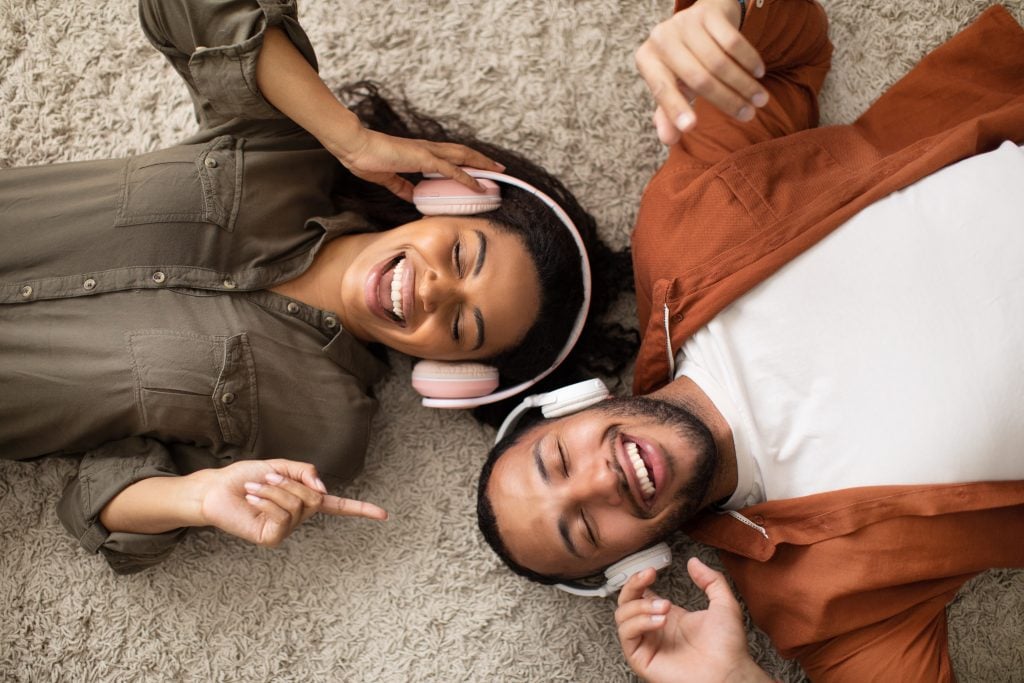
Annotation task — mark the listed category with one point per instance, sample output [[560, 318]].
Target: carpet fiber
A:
[[417, 598]]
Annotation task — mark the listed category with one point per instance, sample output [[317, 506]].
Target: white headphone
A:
[[467, 385], [566, 401]]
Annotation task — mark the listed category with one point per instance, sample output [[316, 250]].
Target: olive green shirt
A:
[[136, 327]]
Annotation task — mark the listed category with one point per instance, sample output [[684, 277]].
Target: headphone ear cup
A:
[[444, 196], [575, 397], [436, 379]]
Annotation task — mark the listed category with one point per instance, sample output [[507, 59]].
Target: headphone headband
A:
[[581, 316]]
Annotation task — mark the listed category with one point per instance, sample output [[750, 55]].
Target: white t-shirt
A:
[[892, 352]]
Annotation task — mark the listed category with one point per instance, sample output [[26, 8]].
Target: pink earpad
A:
[[436, 379], [444, 196]]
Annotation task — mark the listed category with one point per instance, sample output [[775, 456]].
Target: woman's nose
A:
[[435, 290]]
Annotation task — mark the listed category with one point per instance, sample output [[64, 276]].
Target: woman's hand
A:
[[264, 501], [379, 158], [664, 643], [289, 83], [700, 52]]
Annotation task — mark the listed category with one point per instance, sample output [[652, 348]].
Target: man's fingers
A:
[[649, 607], [716, 77], [668, 134], [711, 582], [633, 629], [347, 507], [636, 585], [735, 45], [663, 84]]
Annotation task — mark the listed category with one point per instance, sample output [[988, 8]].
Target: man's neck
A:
[[684, 392]]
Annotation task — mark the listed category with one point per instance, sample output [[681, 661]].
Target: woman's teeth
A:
[[396, 290], [642, 476]]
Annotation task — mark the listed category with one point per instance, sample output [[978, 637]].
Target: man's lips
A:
[[654, 462]]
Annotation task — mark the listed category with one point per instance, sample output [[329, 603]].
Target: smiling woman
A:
[[226, 301]]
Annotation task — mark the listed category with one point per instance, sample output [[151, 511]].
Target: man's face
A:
[[577, 494]]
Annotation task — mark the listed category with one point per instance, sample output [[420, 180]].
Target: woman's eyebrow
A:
[[481, 252]]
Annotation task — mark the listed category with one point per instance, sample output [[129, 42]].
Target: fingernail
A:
[[745, 114], [274, 478], [759, 71], [684, 120], [320, 485], [659, 604], [760, 99], [501, 166], [657, 618], [252, 499], [252, 487]]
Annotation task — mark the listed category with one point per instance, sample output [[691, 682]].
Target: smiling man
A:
[[831, 358]]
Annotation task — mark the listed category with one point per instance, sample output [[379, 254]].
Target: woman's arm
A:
[[288, 82], [261, 501]]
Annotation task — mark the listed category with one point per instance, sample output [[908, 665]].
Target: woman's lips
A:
[[377, 290]]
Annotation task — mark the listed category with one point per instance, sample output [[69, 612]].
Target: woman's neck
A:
[[320, 285]]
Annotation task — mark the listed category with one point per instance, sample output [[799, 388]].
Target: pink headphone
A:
[[467, 385]]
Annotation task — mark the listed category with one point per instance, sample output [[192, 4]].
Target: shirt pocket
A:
[[196, 388], [183, 184]]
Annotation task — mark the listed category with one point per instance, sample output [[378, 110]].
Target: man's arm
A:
[[726, 86]]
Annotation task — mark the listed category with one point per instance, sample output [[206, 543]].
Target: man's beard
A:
[[695, 434]]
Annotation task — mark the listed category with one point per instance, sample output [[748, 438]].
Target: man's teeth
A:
[[396, 290], [646, 487]]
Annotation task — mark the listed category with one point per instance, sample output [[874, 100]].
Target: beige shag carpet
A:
[[417, 598]]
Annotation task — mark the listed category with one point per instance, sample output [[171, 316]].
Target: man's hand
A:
[[700, 52], [263, 501], [664, 643]]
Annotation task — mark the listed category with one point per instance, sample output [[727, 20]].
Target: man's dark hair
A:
[[485, 518]]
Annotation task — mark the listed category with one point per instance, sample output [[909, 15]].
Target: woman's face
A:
[[442, 288]]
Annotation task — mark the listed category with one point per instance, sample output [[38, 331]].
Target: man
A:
[[844, 429]]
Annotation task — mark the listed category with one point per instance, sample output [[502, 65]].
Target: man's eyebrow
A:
[[563, 526], [481, 252], [563, 530]]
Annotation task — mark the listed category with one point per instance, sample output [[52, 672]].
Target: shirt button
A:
[[89, 284], [26, 291], [210, 162], [292, 307], [159, 277], [677, 317], [331, 322], [228, 397], [229, 283]]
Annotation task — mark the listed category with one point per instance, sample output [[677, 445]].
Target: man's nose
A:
[[596, 483], [435, 290]]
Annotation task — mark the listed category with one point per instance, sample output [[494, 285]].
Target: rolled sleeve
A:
[[214, 46], [102, 474]]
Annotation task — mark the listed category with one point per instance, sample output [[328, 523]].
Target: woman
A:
[[220, 301]]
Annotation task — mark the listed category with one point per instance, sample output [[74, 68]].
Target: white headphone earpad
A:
[[437, 379], [574, 398]]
